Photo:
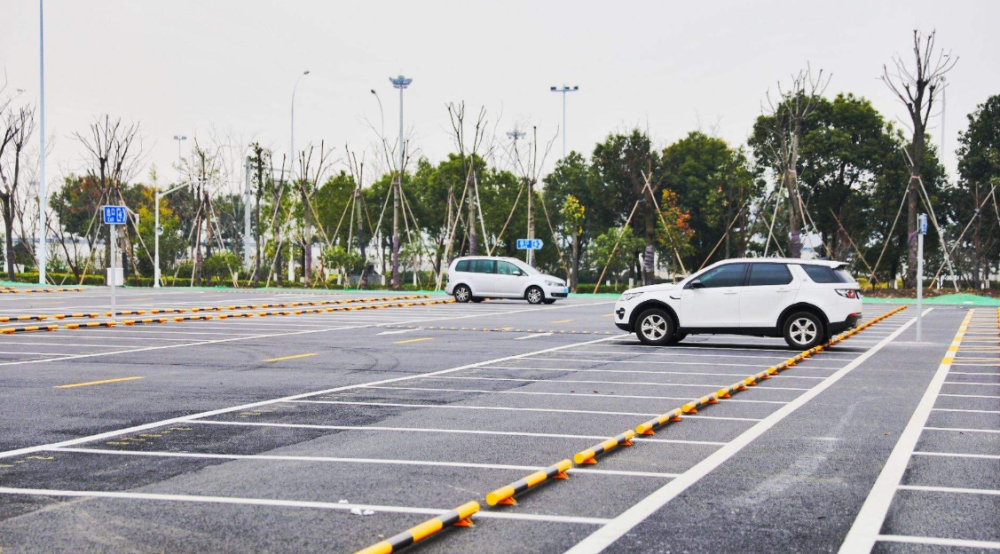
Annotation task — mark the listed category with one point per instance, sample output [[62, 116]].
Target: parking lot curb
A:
[[459, 517]]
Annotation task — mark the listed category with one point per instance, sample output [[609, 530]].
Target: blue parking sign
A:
[[529, 244], [114, 215]]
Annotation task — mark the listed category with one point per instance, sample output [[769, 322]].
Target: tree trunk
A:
[[470, 224], [912, 205], [648, 273], [361, 241], [8, 225], [395, 233], [794, 223], [575, 269]]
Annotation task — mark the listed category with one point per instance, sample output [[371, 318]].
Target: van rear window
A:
[[823, 274]]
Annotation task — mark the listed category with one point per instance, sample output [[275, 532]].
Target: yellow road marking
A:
[[102, 382], [563, 321], [283, 358], [407, 341], [607, 315]]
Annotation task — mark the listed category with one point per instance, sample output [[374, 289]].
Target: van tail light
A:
[[848, 293]]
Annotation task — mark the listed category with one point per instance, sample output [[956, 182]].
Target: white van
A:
[[477, 277]]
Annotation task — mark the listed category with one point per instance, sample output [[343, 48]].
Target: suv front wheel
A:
[[804, 330], [654, 327]]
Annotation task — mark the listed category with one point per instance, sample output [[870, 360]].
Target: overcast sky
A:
[[187, 66]]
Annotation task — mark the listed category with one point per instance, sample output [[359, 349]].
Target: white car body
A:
[[508, 278], [760, 304]]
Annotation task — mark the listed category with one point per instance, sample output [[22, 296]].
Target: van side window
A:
[[463, 265], [483, 266], [507, 268], [769, 274]]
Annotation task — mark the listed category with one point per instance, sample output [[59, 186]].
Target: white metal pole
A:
[[291, 172], [156, 242], [247, 239], [42, 196], [564, 122], [113, 278], [920, 273]]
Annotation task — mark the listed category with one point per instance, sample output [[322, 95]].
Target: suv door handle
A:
[[730, 291], [782, 290]]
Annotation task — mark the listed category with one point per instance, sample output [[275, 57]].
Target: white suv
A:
[[805, 301], [477, 277]]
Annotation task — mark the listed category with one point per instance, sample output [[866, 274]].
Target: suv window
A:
[[507, 268], [822, 274], [729, 275], [463, 265], [769, 274], [483, 266]]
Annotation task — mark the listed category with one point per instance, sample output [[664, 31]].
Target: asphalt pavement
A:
[[339, 420]]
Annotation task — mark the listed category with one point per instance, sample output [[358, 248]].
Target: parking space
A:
[[346, 427], [940, 488]]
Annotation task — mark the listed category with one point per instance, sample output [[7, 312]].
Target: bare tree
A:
[[259, 160], [18, 126], [310, 173], [917, 89], [788, 112], [113, 156]]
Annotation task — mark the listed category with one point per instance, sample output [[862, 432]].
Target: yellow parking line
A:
[[607, 315], [283, 358], [407, 341], [103, 382], [563, 321]]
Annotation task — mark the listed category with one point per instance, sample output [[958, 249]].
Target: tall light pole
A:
[[180, 158], [401, 83], [564, 89], [291, 159], [42, 196]]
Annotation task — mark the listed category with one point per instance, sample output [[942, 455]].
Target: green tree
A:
[[975, 198], [573, 214]]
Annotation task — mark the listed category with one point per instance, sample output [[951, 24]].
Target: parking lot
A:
[[335, 421]]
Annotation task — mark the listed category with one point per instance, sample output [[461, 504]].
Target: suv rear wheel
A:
[[804, 330], [654, 327]]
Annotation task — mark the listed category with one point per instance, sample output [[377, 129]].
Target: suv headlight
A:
[[554, 283], [629, 296]]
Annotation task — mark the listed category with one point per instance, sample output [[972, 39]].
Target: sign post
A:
[[113, 215], [921, 231], [529, 244]]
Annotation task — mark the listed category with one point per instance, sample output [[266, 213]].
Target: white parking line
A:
[[953, 490], [532, 336], [636, 371], [375, 461], [603, 537], [583, 396], [510, 409], [630, 383], [938, 541], [961, 430], [293, 504], [957, 455], [369, 428]]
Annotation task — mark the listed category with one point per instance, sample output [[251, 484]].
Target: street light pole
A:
[[401, 83], [564, 89], [291, 172], [42, 196]]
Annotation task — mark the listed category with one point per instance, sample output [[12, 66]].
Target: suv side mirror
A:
[[519, 273], [696, 284]]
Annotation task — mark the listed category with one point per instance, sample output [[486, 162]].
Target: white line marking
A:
[[957, 455], [940, 541], [720, 353], [511, 409], [577, 395], [868, 522], [646, 362], [956, 490], [641, 371], [294, 504], [368, 428], [533, 336], [270, 457], [962, 430], [966, 411], [969, 395], [644, 383], [603, 537], [210, 413], [970, 383], [397, 332]]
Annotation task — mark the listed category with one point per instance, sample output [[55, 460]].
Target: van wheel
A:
[[654, 327], [534, 295], [803, 330], [463, 293]]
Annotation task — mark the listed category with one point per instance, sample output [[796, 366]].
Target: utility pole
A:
[[293, 158], [42, 196], [564, 89], [401, 83]]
